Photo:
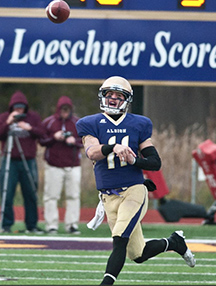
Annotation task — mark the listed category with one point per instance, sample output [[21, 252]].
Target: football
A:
[[58, 11]]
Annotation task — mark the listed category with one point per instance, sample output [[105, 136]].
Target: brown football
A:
[[58, 11]]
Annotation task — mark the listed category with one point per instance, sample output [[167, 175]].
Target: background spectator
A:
[[62, 168], [25, 125]]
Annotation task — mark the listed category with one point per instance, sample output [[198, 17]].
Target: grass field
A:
[[82, 267]]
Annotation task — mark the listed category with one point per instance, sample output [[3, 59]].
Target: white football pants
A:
[[55, 180]]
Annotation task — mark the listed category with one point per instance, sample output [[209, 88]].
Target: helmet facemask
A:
[[107, 106], [116, 84]]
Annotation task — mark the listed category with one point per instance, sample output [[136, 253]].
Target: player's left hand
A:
[[123, 152], [130, 159]]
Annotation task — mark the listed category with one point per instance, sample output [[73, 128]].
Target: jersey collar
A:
[[115, 122]]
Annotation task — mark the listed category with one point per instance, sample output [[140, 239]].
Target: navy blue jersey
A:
[[130, 130]]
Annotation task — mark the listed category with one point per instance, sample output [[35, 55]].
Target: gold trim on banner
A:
[[113, 14]]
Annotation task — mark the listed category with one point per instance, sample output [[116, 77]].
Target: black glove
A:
[[150, 185]]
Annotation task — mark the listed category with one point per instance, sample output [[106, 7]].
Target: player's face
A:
[[114, 99]]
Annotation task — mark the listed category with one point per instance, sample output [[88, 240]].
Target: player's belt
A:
[[110, 192]]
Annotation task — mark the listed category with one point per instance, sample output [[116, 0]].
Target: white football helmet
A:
[[115, 83]]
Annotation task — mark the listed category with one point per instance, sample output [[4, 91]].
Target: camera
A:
[[67, 134], [18, 117]]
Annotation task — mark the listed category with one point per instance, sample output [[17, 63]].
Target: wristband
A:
[[107, 149]]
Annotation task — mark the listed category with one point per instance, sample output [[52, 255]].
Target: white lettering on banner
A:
[[93, 52], [37, 52], [2, 43], [52, 49], [15, 59], [79, 45], [110, 54], [64, 47], [191, 54], [161, 49]]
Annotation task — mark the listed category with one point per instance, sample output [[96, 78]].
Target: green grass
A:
[[75, 267], [45, 267], [149, 230]]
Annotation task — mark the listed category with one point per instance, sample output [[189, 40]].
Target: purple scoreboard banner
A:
[[93, 49]]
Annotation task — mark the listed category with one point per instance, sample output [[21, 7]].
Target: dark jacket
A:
[[59, 153], [28, 139]]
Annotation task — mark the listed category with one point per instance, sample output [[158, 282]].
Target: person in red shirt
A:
[[26, 125], [62, 167]]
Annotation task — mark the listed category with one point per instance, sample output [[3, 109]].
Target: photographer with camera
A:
[[22, 125], [62, 167]]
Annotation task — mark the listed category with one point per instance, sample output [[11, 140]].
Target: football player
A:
[[120, 145]]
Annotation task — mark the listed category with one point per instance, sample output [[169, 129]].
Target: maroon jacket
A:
[[28, 139], [58, 153]]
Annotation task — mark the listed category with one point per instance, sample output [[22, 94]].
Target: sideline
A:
[[77, 238], [85, 243], [55, 243], [55, 238]]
